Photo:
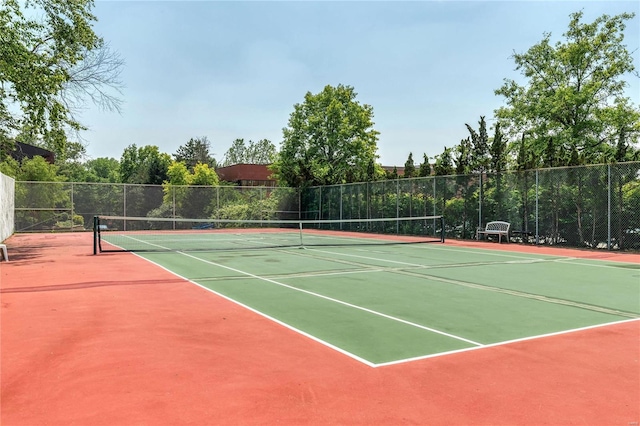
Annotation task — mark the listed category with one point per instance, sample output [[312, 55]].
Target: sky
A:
[[236, 69]]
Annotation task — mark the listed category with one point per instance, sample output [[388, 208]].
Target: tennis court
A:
[[342, 328], [383, 303]]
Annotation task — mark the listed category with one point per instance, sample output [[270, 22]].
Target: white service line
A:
[[506, 342], [433, 330], [262, 314]]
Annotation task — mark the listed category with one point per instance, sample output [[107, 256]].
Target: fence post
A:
[[537, 217], [341, 193], [368, 216], [480, 201], [124, 205], [397, 204], [72, 209], [608, 206]]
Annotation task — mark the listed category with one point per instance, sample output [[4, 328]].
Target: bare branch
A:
[[92, 78]]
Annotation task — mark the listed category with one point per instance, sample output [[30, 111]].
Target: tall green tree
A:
[[45, 45], [498, 151], [261, 152], [462, 158], [478, 156], [443, 165], [574, 93], [37, 169], [409, 167], [103, 169], [144, 165], [425, 167], [197, 150], [497, 166], [190, 201], [329, 140]]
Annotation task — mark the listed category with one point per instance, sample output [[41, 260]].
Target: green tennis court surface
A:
[[384, 304]]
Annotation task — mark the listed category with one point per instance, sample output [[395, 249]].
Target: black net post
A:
[[96, 223]]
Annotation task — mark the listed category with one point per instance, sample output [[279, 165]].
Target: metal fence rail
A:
[[65, 206], [589, 206]]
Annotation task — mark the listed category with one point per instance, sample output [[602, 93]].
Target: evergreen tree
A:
[[409, 167], [425, 167]]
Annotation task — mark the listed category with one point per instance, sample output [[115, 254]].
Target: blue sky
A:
[[236, 69]]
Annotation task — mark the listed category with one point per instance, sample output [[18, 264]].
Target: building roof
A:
[[389, 169], [245, 172], [23, 150]]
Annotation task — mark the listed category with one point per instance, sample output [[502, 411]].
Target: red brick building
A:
[[260, 175], [389, 169], [247, 174]]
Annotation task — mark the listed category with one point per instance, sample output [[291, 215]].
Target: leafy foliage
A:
[[195, 151], [44, 44], [573, 105], [329, 139], [409, 167], [144, 165], [261, 152], [444, 163], [425, 167], [182, 189]]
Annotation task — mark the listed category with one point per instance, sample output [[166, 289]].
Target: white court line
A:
[[506, 342], [310, 293], [262, 314], [522, 259], [331, 299], [419, 265], [349, 354], [544, 257]]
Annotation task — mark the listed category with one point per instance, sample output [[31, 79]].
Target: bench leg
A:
[[5, 254]]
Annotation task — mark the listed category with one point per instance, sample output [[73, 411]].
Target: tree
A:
[[425, 167], [45, 190], [497, 165], [236, 153], [261, 152], [37, 169], [463, 157], [409, 167], [329, 140], [42, 55], [144, 165], [572, 90], [98, 71], [196, 151], [189, 201], [103, 169], [204, 175], [478, 156], [444, 163]]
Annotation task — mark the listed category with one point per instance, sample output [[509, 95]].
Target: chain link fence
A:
[[589, 206], [64, 206]]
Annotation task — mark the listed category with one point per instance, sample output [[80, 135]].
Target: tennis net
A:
[[118, 233]]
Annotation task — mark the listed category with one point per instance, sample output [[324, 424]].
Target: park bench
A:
[[497, 227]]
